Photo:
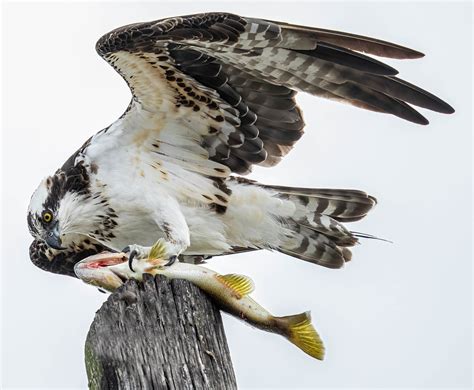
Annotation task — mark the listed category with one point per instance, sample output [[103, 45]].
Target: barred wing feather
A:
[[225, 86]]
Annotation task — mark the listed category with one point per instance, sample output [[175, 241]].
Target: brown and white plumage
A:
[[214, 94], [238, 77]]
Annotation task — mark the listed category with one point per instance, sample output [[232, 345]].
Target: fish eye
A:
[[47, 217]]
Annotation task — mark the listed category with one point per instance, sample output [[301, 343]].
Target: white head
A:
[[63, 207]]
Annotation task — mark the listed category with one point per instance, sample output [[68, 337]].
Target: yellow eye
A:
[[47, 217]]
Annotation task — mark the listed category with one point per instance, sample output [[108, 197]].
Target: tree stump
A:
[[159, 334]]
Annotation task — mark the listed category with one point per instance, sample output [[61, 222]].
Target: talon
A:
[[171, 261], [130, 259]]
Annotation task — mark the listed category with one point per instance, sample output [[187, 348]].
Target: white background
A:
[[398, 315]]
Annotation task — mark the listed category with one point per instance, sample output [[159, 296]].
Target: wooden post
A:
[[159, 334]]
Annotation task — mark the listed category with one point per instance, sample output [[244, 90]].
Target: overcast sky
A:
[[398, 315]]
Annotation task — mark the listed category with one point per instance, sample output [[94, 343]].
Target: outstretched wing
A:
[[218, 90]]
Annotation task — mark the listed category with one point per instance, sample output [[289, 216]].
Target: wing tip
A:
[[441, 106], [419, 119], [447, 108], [412, 54], [390, 71], [397, 52]]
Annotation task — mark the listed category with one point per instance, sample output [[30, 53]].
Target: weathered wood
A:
[[159, 334]]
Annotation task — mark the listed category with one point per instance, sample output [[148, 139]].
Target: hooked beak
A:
[[53, 238]]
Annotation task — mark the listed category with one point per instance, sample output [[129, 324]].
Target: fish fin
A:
[[242, 285], [301, 332], [157, 251]]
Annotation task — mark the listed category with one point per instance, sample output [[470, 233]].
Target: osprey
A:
[[212, 95]]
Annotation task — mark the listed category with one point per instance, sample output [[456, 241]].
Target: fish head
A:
[[107, 270]]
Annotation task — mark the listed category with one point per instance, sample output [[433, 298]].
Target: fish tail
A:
[[299, 331]]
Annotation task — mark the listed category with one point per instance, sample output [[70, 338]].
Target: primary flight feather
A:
[[212, 95]]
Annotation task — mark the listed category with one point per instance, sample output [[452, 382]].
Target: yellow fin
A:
[[240, 284], [158, 251], [302, 333]]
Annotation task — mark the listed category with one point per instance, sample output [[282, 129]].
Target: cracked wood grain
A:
[[159, 334]]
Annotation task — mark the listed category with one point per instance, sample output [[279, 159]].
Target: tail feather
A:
[[316, 233], [299, 331], [330, 228], [310, 221], [336, 203], [335, 206], [309, 245]]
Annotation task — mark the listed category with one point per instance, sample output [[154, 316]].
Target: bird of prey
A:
[[212, 95]]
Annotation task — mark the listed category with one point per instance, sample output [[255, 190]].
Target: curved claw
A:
[[131, 256], [171, 261], [130, 259]]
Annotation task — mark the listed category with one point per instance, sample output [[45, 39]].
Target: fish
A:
[[231, 292]]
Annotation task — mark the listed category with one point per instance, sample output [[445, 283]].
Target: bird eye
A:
[[47, 216]]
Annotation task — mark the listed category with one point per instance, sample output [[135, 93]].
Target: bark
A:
[[159, 334]]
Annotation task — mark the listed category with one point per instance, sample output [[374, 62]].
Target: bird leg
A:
[[139, 252], [173, 226]]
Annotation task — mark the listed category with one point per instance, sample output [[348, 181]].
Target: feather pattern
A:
[[229, 83], [214, 94]]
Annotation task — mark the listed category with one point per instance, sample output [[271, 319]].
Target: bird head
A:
[[59, 209]]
